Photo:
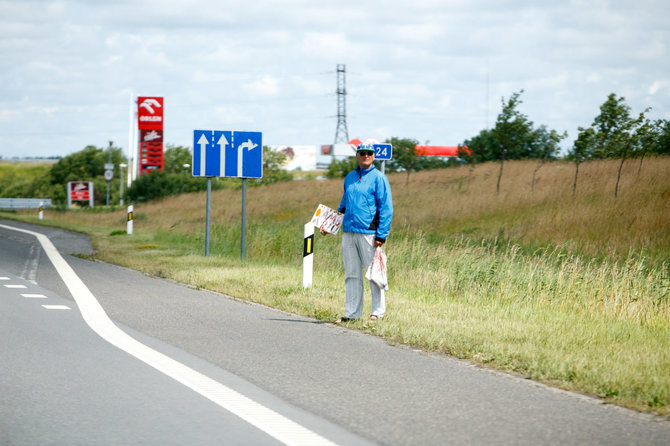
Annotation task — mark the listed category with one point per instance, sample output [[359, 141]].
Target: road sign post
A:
[[207, 213], [243, 231], [229, 154], [109, 175]]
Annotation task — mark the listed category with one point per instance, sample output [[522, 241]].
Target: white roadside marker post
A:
[[41, 214], [129, 224], [308, 256]]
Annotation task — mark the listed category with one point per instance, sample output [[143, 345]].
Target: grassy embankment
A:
[[16, 177], [570, 291]]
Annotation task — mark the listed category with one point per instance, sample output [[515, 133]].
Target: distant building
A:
[[298, 157]]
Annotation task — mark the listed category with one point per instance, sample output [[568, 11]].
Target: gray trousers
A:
[[357, 253]]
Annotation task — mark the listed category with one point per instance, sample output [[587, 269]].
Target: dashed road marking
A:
[[15, 286], [34, 296], [56, 307]]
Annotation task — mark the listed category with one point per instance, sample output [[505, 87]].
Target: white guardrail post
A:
[[308, 256], [129, 225]]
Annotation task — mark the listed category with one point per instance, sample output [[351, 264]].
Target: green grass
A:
[[16, 178], [573, 292]]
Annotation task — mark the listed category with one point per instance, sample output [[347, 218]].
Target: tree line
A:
[[88, 164], [615, 133]]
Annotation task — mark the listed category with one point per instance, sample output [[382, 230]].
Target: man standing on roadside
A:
[[367, 206]]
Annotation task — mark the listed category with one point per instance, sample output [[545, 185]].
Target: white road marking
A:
[[272, 423], [56, 307], [4, 278], [15, 286], [34, 296]]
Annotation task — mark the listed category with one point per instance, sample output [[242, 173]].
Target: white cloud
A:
[[656, 85], [593, 78], [264, 86], [415, 70]]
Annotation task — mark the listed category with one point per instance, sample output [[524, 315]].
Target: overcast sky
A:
[[429, 70]]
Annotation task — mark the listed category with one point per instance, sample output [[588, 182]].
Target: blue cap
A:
[[365, 147]]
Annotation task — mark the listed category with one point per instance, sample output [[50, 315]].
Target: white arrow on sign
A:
[[202, 142], [249, 145], [222, 142]]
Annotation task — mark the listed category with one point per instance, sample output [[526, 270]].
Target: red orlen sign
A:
[[80, 191], [150, 113]]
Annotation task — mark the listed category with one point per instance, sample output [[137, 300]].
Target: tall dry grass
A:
[[464, 201], [592, 221]]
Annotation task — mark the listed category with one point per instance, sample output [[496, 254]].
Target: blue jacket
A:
[[367, 203]]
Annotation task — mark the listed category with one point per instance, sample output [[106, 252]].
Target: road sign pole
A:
[[383, 152], [244, 217], [209, 206]]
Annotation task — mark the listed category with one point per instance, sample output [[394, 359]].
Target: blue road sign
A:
[[249, 146], [382, 151], [219, 153]]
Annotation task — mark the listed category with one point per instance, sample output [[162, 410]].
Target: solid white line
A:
[[34, 296], [56, 307], [276, 425]]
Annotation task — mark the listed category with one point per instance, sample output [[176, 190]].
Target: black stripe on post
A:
[[308, 246]]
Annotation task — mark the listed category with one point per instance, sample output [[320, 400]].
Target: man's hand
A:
[[378, 243], [323, 231]]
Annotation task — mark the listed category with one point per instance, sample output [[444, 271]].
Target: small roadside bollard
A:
[[129, 224], [41, 213], [308, 256]]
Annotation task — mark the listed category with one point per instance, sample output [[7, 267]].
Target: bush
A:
[[340, 168], [160, 184]]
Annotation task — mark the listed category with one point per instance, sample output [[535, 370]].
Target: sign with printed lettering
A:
[[327, 219], [150, 113]]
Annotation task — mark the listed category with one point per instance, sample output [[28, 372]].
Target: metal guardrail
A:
[[24, 203]]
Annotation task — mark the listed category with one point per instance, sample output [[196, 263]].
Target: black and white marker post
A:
[[129, 223], [308, 256]]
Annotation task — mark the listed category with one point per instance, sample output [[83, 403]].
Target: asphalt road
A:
[[344, 385]]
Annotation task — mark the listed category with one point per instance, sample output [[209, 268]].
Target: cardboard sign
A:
[[327, 219]]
